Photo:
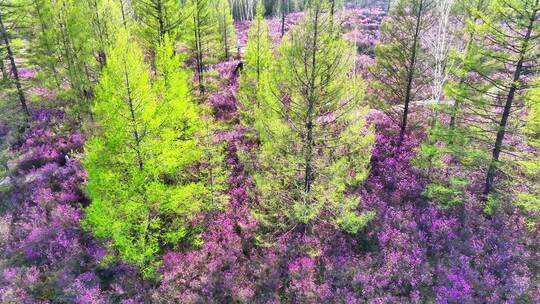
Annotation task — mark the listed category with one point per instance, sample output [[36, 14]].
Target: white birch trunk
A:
[[439, 49]]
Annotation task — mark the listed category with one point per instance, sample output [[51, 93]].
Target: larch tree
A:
[[70, 39], [257, 62], [65, 48], [509, 48], [389, 5], [172, 84], [5, 11], [157, 18], [201, 34], [227, 33], [141, 164], [45, 52], [335, 5], [105, 21], [72, 20], [315, 148], [401, 69]]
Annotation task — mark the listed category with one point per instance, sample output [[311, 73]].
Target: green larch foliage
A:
[[529, 183], [212, 169], [257, 61], [105, 21], [141, 165], [65, 46], [157, 18], [72, 23], [45, 52], [227, 33], [172, 84], [315, 148]]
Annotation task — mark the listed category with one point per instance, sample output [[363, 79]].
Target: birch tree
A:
[[440, 48], [438, 57], [243, 9]]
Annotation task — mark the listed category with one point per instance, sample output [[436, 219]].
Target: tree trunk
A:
[[136, 134], [410, 74], [282, 18], [507, 109], [258, 52], [122, 10], [14, 70], [198, 51], [308, 171], [332, 7], [161, 22], [5, 74], [225, 36]]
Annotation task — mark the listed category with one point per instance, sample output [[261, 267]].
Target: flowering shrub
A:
[[223, 100]]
